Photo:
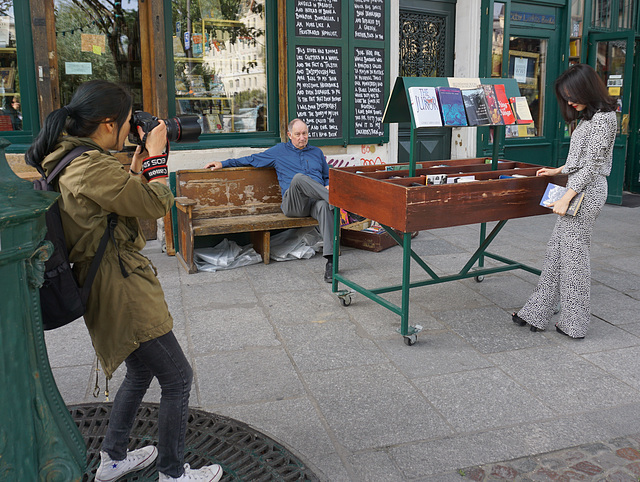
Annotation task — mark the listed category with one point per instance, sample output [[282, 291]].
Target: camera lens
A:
[[183, 128]]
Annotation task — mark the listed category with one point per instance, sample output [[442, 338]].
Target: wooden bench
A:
[[231, 200]]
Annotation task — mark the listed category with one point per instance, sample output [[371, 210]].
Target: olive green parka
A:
[[122, 312]]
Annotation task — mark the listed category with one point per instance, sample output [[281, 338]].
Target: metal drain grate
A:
[[244, 453]]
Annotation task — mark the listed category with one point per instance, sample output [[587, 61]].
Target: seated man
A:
[[303, 174]]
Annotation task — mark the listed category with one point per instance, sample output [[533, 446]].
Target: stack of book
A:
[[479, 106]]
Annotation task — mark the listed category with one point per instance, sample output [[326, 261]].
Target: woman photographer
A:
[[566, 274], [126, 315]]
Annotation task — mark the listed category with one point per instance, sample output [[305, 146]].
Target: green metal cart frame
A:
[[398, 110]]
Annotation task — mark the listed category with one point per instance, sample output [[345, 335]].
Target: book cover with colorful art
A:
[[452, 106], [554, 192], [503, 103], [492, 103]]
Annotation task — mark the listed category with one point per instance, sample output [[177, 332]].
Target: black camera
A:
[[183, 128]]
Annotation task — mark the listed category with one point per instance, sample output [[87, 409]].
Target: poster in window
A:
[[5, 28], [523, 66], [7, 77]]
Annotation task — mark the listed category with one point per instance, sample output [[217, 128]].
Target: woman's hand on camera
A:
[[156, 139]]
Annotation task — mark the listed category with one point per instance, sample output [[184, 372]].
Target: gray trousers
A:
[[306, 197]]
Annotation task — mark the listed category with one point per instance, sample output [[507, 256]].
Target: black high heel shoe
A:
[[566, 334], [519, 321]]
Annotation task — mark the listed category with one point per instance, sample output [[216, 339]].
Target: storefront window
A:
[[626, 13], [601, 14], [498, 39], [575, 38], [98, 39], [528, 65], [220, 60], [11, 115], [610, 65]]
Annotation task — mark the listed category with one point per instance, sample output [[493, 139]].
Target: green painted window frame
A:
[[20, 140], [267, 138]]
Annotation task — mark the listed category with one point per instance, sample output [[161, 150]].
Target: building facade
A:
[[246, 67]]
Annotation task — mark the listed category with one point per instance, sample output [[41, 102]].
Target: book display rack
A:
[[462, 191]]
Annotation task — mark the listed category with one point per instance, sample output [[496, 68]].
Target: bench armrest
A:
[[185, 201]]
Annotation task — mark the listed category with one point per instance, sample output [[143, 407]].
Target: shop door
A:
[[611, 54], [426, 50]]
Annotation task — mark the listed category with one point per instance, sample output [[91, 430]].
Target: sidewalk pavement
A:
[[477, 395]]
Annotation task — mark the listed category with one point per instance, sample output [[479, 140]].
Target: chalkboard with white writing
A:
[[318, 18], [369, 19], [318, 73], [368, 76]]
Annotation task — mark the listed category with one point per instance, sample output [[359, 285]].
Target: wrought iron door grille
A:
[[422, 45]]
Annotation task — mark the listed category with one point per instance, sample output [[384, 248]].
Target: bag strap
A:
[[112, 221], [64, 162]]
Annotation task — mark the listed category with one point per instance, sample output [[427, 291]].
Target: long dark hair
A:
[[93, 103], [581, 84]]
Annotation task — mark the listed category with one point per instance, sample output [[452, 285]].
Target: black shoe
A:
[[566, 334], [328, 271], [519, 321]]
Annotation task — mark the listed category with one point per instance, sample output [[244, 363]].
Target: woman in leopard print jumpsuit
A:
[[566, 274]]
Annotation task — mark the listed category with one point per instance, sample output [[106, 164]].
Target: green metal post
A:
[[38, 438], [412, 153], [406, 283], [336, 247]]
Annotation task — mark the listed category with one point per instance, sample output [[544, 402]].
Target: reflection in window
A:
[[98, 39], [610, 65], [575, 38], [626, 13], [11, 115], [527, 64], [218, 48], [601, 13], [498, 39]]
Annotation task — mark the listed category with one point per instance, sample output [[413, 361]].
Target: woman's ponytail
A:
[[47, 138]]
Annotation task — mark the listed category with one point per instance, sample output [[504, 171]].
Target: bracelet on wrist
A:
[[135, 173]]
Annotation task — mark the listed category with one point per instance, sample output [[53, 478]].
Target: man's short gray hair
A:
[[290, 126]]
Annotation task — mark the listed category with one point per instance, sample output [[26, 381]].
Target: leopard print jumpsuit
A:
[[566, 273]]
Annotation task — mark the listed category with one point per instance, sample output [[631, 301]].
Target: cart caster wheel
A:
[[410, 340], [345, 300], [479, 279]]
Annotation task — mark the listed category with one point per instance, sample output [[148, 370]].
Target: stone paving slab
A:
[[616, 460], [271, 346]]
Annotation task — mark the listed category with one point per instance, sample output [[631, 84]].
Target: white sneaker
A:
[[111, 470], [210, 473]]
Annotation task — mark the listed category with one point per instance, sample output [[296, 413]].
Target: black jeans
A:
[[161, 358]]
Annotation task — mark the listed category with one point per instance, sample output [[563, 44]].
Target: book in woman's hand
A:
[[554, 192]]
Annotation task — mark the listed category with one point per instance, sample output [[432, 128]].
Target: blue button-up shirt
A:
[[288, 161]]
